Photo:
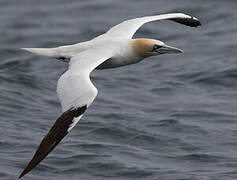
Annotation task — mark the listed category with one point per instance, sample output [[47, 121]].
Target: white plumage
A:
[[127, 29], [113, 49], [75, 88]]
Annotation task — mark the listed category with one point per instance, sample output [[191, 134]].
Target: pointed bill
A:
[[168, 49]]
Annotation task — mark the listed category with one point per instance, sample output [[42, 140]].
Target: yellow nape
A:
[[142, 46]]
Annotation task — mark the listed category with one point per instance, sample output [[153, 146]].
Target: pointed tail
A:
[[50, 52]]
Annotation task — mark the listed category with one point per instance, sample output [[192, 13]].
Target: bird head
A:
[[151, 47]]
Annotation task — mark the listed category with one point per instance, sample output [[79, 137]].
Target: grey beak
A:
[[169, 49]]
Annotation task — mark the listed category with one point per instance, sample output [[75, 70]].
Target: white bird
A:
[[112, 49]]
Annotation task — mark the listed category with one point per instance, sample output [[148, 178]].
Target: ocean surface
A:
[[170, 117]]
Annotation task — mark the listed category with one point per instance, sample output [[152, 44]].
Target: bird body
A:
[[123, 50], [112, 49]]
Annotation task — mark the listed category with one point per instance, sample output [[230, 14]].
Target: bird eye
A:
[[156, 47]]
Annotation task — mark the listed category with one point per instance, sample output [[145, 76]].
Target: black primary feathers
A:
[[54, 136], [193, 22]]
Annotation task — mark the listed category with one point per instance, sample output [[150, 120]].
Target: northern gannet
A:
[[112, 49]]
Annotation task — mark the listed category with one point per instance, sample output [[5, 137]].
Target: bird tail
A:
[[49, 52]]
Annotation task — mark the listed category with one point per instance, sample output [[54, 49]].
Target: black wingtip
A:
[[192, 22], [54, 136], [22, 174], [195, 22]]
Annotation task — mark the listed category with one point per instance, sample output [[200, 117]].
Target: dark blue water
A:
[[170, 117]]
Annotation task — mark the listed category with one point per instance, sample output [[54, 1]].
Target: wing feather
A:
[[76, 92], [128, 28], [54, 136]]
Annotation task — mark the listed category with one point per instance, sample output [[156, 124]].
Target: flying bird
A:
[[112, 49]]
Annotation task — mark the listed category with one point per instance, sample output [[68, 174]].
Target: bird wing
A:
[[128, 28], [76, 92]]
